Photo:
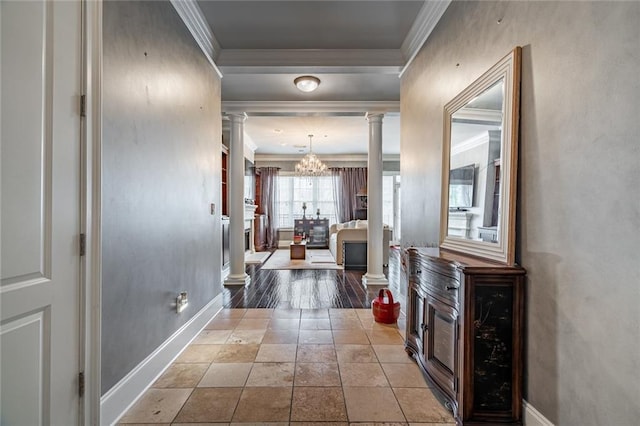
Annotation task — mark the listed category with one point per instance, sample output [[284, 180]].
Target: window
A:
[[387, 200], [316, 192], [391, 203]]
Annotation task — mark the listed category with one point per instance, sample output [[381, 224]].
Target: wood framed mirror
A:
[[479, 164]]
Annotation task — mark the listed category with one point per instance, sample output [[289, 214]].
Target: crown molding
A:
[[425, 22], [302, 69], [194, 19], [302, 108], [470, 143], [274, 61], [330, 157], [488, 116], [296, 157]]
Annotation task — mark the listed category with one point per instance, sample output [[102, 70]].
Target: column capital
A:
[[236, 117], [373, 117]]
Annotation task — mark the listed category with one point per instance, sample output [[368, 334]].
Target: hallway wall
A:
[[579, 210], [161, 171]]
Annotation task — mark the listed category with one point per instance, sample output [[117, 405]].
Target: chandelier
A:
[[310, 165]]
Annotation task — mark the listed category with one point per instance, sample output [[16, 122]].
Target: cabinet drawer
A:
[[443, 286]]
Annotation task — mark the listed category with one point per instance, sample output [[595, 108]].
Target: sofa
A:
[[355, 230]]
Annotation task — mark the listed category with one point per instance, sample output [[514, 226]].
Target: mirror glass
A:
[[479, 164], [474, 167]]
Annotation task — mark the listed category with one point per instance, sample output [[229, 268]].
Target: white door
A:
[[40, 211]]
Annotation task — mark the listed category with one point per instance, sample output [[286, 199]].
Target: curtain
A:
[[347, 182], [269, 202], [336, 180]]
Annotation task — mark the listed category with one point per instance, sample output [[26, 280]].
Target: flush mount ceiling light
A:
[[307, 83]]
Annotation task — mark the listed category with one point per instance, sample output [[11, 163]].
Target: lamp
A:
[[310, 165], [307, 83]]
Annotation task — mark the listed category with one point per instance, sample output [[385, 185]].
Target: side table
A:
[[298, 251]]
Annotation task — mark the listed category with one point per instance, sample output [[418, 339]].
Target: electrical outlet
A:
[[213, 209], [181, 301]]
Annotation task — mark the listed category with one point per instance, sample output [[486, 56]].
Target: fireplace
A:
[[249, 216]]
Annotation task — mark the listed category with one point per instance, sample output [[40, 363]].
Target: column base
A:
[[237, 280], [374, 280]]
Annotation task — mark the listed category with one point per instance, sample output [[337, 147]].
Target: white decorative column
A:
[[375, 275], [236, 276]]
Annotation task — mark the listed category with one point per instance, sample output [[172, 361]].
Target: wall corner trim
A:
[[115, 402], [533, 417], [196, 23]]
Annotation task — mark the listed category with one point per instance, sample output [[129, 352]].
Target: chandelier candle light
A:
[[310, 165]]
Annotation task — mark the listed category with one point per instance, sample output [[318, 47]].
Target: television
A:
[[461, 186]]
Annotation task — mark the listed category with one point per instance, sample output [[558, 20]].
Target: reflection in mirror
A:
[[461, 187], [474, 189], [480, 152]]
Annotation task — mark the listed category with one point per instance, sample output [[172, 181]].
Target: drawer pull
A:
[[451, 288], [418, 271]]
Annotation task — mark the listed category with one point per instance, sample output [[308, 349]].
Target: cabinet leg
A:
[[409, 352]]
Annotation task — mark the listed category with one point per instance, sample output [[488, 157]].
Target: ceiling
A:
[[358, 49]]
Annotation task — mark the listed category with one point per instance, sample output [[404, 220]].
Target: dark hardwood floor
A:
[[312, 289]]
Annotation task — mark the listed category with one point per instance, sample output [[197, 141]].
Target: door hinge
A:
[[83, 244], [83, 105], [81, 384]]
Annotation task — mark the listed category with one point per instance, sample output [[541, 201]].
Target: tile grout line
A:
[[363, 323]]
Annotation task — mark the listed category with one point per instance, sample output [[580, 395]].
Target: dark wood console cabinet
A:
[[316, 231], [465, 329]]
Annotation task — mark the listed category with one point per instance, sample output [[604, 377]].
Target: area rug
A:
[[316, 259], [256, 258]]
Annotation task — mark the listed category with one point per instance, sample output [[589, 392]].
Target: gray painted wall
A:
[[161, 171], [579, 203]]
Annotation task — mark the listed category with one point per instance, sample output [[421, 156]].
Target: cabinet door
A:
[[441, 346], [417, 323]]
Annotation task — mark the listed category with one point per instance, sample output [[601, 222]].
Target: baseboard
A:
[[533, 417], [126, 392]]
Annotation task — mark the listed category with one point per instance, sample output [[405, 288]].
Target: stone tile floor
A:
[[292, 367]]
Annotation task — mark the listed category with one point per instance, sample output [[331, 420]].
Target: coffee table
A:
[[298, 251]]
